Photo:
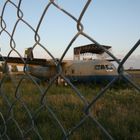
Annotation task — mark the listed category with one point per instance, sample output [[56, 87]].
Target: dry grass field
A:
[[135, 75], [118, 111]]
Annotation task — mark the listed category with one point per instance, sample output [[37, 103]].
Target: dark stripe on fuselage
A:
[[91, 78]]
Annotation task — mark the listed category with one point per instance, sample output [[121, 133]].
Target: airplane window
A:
[[72, 71]]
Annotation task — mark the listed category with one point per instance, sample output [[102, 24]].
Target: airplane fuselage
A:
[[79, 71]]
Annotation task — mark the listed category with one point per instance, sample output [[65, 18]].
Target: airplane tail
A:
[[29, 54]]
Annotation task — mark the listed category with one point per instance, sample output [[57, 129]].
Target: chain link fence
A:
[[21, 115]]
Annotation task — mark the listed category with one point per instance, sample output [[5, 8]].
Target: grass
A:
[[135, 75], [118, 111]]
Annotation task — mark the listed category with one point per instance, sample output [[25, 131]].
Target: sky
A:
[[110, 22]]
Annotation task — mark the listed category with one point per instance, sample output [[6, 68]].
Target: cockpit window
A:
[[97, 67], [103, 67], [109, 67]]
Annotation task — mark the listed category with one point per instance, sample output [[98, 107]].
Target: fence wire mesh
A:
[[21, 116]]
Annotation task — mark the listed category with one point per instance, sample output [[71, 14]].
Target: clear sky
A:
[[109, 22]]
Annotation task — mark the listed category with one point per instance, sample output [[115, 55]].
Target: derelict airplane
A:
[[86, 70]]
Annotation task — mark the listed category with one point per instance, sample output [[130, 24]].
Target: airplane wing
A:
[[19, 61], [34, 61], [23, 61]]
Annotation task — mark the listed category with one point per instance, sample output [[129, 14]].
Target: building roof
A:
[[90, 48]]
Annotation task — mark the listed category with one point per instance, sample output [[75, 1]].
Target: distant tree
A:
[[4, 68], [1, 69]]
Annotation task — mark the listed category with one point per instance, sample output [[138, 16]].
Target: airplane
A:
[[76, 70]]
